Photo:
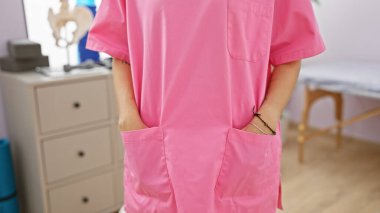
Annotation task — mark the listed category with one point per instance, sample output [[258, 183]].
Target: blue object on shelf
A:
[[8, 199], [86, 2], [83, 53]]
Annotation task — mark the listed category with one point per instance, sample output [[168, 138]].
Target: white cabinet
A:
[[67, 149]]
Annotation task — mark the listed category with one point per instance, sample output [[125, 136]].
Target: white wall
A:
[[351, 30], [12, 26], [12, 23]]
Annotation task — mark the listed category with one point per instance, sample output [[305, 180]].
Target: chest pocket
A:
[[248, 29]]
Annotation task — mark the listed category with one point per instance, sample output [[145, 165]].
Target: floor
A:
[[331, 181]]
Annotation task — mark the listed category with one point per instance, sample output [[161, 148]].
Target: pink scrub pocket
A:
[[248, 29], [250, 168], [145, 163]]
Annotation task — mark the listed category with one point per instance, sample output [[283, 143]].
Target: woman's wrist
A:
[[129, 109], [259, 126], [129, 118], [270, 114]]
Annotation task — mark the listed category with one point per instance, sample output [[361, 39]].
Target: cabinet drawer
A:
[[90, 195], [77, 153], [72, 104]]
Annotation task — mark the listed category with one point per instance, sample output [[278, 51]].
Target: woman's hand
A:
[[131, 121], [250, 128], [270, 115], [129, 117]]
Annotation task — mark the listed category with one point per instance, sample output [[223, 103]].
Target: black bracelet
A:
[[265, 123]]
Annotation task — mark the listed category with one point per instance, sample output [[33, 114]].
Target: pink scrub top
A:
[[198, 68]]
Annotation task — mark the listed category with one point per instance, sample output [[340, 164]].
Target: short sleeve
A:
[[295, 32], [108, 31]]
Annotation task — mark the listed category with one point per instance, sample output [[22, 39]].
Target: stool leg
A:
[[338, 99], [302, 127]]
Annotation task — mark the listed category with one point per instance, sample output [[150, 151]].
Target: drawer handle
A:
[[85, 199], [81, 153], [76, 104]]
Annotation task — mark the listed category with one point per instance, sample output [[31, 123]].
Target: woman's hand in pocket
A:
[[269, 115], [251, 128], [131, 121]]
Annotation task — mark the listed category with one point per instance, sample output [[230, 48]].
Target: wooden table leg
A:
[[338, 99], [310, 97], [302, 127]]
